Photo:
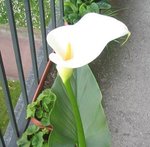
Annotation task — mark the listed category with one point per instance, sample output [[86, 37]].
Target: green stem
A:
[[80, 132]]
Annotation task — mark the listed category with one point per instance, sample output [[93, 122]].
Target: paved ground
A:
[[125, 79], [8, 53]]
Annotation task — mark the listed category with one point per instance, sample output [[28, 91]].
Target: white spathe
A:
[[87, 39]]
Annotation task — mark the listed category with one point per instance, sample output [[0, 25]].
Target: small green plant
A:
[[75, 9], [42, 107], [35, 137]]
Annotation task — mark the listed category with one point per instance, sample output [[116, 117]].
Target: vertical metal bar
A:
[[2, 143], [61, 6], [53, 13], [16, 48], [8, 98], [43, 29], [31, 40]]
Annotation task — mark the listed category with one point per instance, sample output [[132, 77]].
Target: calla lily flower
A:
[[79, 44]]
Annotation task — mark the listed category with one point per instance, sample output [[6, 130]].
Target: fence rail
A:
[[26, 93]]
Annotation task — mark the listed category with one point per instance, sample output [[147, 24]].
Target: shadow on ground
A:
[[123, 74]]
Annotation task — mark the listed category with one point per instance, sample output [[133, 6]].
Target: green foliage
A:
[[89, 98], [103, 5], [64, 132], [34, 137], [75, 9], [15, 90], [42, 107], [19, 12]]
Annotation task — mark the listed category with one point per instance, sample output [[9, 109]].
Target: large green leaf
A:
[[93, 118]]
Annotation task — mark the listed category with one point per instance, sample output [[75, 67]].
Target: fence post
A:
[[14, 37], [8, 98], [2, 143], [31, 40], [61, 6], [43, 30], [53, 13]]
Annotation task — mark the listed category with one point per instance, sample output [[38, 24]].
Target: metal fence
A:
[[18, 125]]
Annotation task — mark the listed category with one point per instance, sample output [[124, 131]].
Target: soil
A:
[[50, 77]]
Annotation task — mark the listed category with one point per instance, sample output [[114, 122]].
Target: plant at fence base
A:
[[75, 9], [35, 137], [42, 107], [78, 94]]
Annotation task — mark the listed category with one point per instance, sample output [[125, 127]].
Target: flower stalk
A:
[[78, 121]]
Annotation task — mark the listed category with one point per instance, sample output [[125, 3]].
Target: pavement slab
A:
[[123, 74], [8, 55]]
